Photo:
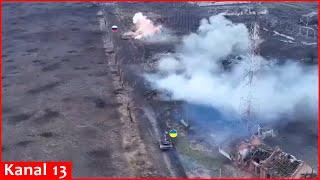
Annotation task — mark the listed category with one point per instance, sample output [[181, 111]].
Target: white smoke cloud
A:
[[195, 74], [144, 27]]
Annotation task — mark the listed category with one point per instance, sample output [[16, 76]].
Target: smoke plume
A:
[[194, 73], [144, 27]]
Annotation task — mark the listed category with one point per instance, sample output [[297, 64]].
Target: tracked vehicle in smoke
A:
[[165, 142]]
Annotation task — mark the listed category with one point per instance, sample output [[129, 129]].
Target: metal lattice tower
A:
[[253, 67]]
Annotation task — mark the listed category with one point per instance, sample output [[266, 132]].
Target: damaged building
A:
[[266, 162]]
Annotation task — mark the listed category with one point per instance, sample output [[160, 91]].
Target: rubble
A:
[[266, 162]]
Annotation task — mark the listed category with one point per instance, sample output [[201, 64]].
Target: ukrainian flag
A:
[[173, 133]]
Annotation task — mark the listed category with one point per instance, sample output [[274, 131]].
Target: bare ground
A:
[[60, 94]]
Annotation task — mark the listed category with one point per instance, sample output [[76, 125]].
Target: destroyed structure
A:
[[265, 162]]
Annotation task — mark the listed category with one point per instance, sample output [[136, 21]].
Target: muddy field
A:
[[59, 95], [73, 90]]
